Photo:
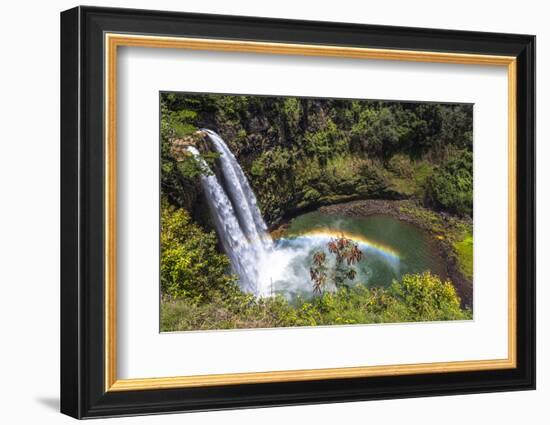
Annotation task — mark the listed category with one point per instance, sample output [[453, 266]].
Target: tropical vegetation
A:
[[300, 154]]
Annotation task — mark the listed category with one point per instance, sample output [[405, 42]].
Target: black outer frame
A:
[[82, 212]]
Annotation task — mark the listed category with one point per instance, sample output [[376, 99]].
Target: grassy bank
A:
[[464, 248], [416, 298], [455, 236]]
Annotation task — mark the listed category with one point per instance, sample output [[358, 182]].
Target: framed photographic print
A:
[[261, 212]]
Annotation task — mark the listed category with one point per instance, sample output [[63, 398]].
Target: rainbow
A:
[[326, 233]]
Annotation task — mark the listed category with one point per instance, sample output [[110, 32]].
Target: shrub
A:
[[451, 186], [190, 266], [416, 298], [402, 166], [424, 297]]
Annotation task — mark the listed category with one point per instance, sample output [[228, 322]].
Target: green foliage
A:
[[291, 114], [425, 297], [451, 186], [422, 172], [177, 179], [190, 167], [437, 130], [301, 152], [465, 254], [177, 123], [454, 232], [281, 180], [401, 165], [242, 312], [421, 297], [377, 132], [408, 177], [325, 143], [190, 265]]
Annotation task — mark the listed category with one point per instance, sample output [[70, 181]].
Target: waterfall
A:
[[236, 245], [242, 195], [238, 220]]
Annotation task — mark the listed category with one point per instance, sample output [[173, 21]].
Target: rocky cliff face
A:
[[301, 153]]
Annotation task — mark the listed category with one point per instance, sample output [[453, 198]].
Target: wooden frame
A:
[[90, 37]]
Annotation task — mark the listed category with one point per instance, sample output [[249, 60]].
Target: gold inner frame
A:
[[113, 41]]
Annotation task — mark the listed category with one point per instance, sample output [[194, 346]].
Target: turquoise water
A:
[[390, 247]]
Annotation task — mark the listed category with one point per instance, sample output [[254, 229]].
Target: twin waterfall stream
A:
[[265, 267], [238, 220]]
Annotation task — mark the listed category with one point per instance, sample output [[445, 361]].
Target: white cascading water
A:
[[242, 195], [262, 266], [241, 253]]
